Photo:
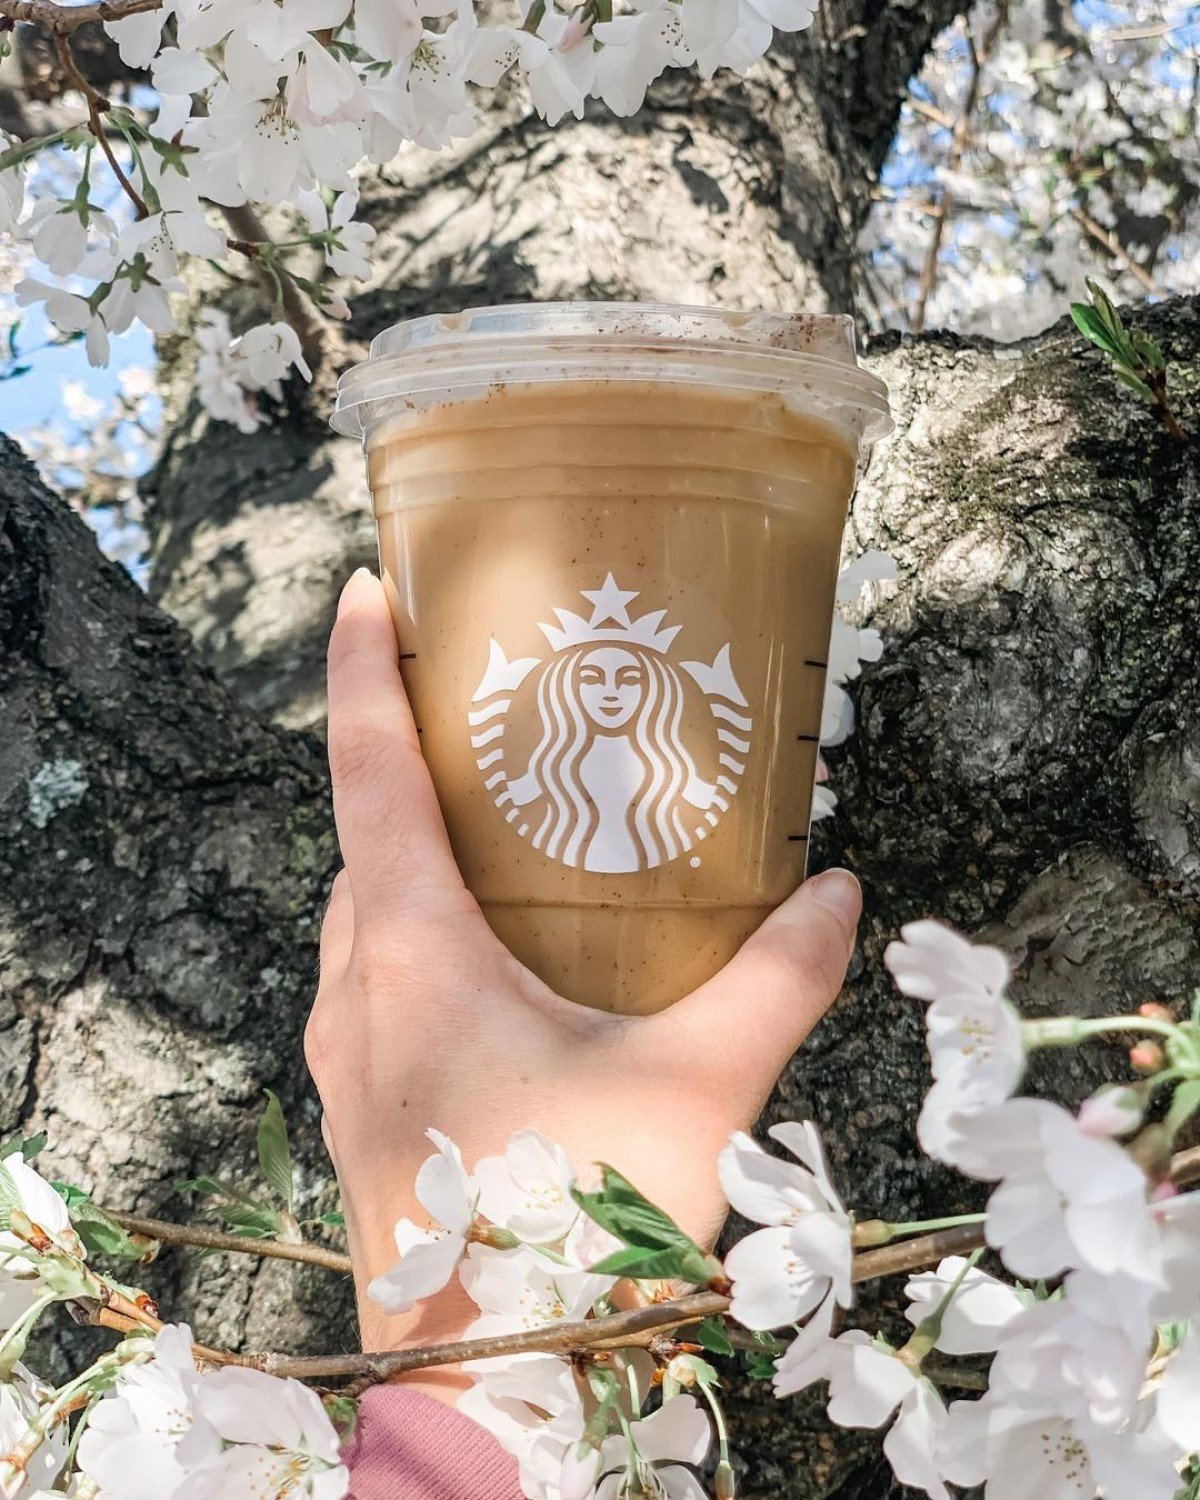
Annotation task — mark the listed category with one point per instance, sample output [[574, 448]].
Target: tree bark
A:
[[734, 192], [1024, 765]]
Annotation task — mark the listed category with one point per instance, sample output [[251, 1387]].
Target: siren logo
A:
[[602, 753]]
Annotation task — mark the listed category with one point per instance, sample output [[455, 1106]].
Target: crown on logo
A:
[[609, 604]]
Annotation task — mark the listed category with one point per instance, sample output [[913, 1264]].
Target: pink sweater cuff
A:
[[408, 1446]]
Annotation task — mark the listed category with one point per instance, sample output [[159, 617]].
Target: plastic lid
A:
[[810, 360]]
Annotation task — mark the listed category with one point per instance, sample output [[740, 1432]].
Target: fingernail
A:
[[353, 587], [839, 892]]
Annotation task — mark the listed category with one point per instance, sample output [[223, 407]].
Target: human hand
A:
[[423, 1018]]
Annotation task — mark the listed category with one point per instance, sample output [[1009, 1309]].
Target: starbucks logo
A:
[[602, 753]]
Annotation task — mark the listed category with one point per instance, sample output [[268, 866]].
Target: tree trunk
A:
[[1025, 765]]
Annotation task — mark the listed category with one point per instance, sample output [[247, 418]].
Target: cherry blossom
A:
[[785, 1271], [1065, 1199], [22, 1397], [975, 1320], [38, 1201], [429, 1257], [528, 1189], [973, 1032], [520, 1289], [143, 1440], [166, 1431], [659, 1456], [12, 192], [867, 1385], [346, 248], [1063, 1357], [532, 1405], [276, 1437], [1017, 1450]]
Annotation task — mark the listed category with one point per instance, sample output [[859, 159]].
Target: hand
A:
[[423, 1018]]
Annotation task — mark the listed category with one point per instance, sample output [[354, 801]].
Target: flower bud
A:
[[493, 1236], [725, 1481], [1114, 1110], [1156, 1010], [682, 1371], [1147, 1057]]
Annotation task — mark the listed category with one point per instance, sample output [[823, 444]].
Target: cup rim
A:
[[540, 342]]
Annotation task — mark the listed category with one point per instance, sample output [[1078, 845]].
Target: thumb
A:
[[752, 1016]]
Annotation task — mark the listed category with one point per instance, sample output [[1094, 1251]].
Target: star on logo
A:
[[610, 602]]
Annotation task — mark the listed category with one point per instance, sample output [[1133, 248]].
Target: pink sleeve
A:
[[408, 1446]]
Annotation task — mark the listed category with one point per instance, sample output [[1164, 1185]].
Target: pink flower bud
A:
[[1147, 1057]]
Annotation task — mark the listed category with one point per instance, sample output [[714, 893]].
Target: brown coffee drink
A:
[[613, 596]]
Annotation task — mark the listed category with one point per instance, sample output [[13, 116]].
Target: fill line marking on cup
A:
[[408, 656], [797, 838], [809, 739], [821, 664]]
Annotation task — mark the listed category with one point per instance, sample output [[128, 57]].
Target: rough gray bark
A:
[[1025, 765], [740, 193]]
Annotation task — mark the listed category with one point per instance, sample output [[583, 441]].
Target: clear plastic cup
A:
[[610, 537]]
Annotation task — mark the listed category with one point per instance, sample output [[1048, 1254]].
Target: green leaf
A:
[[274, 1153], [99, 1231], [260, 1223], [207, 1185], [1148, 350], [1102, 302], [215, 1188], [28, 1146], [760, 1365], [1135, 384], [650, 1265], [343, 1413], [623, 1211], [1093, 327], [711, 1335], [334, 1220]]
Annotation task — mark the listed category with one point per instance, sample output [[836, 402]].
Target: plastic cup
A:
[[610, 536]]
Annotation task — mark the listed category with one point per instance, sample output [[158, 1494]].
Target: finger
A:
[[753, 1015], [337, 929], [389, 824]]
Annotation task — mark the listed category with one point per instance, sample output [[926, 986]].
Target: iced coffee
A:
[[612, 575]]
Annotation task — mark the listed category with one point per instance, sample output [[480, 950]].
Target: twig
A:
[[216, 1239], [250, 232], [958, 145], [931, 112], [620, 1330], [67, 18], [1117, 251], [96, 105], [909, 1255]]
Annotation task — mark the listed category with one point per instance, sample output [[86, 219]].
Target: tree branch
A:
[[96, 105], [63, 19], [634, 1329], [1117, 251], [958, 145], [216, 1239]]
